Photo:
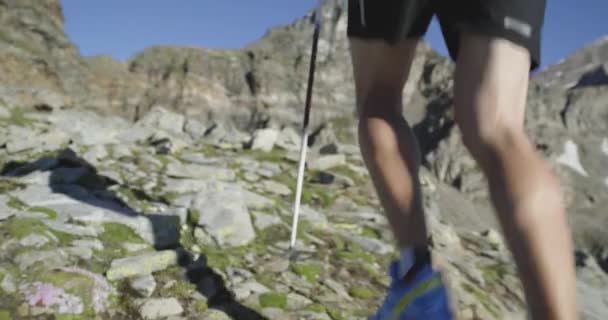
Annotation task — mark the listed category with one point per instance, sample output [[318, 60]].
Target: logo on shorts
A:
[[518, 26]]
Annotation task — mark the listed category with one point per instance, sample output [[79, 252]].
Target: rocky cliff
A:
[[161, 187]]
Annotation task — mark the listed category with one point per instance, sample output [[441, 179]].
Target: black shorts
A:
[[519, 21]]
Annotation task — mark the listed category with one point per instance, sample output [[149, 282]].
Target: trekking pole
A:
[[304, 143]]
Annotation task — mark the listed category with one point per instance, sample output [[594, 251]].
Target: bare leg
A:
[[387, 143], [490, 97]]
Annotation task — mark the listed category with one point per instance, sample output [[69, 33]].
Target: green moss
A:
[[335, 314], [119, 232], [182, 289], [15, 203], [310, 272], [273, 300], [194, 216], [315, 307], [354, 252], [370, 232], [18, 117], [200, 306], [362, 293], [7, 185], [275, 155], [343, 127], [52, 214], [267, 279], [5, 315], [494, 273], [483, 299], [22, 227]]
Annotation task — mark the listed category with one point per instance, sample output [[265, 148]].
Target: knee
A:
[[490, 141], [379, 102]]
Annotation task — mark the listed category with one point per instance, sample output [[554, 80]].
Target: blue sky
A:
[[124, 27]]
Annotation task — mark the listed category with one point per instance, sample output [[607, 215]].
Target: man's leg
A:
[[490, 97], [388, 146]]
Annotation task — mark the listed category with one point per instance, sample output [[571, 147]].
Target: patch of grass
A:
[[5, 315], [18, 117], [193, 216], [52, 214], [276, 155], [482, 297], [273, 300], [115, 234], [182, 289], [370, 233], [354, 252], [343, 127], [363, 293], [200, 306], [8, 185], [22, 227], [494, 273], [335, 314], [315, 307], [15, 203], [310, 272]]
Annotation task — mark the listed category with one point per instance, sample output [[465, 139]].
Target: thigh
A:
[[491, 85], [380, 70]]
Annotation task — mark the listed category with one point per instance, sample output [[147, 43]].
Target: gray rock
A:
[[264, 139], [96, 153], [160, 308], [121, 150], [183, 185], [83, 253], [202, 237], [223, 213], [94, 244], [317, 218], [372, 245], [160, 118], [251, 177], [256, 201], [275, 313], [275, 187], [206, 172], [199, 159], [21, 139], [34, 240], [264, 220], [87, 128], [327, 162], [194, 128], [82, 231], [296, 301], [289, 139], [8, 284], [50, 259], [144, 285], [143, 264], [4, 112], [338, 288], [135, 247], [245, 289], [238, 275], [5, 211], [213, 314]]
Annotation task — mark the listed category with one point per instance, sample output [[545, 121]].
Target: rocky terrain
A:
[[162, 187]]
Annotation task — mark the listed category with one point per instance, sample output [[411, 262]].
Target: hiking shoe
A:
[[420, 295]]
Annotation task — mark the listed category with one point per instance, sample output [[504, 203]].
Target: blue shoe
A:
[[421, 295]]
